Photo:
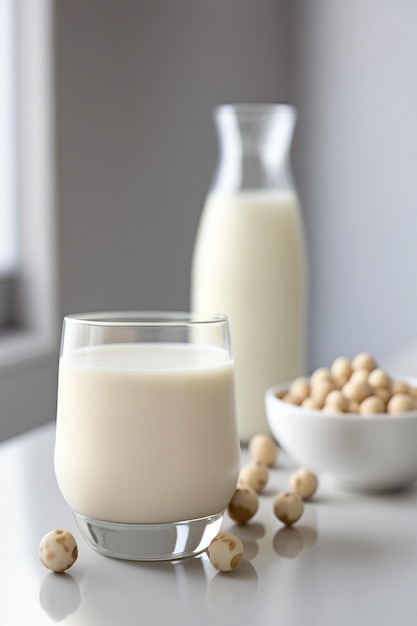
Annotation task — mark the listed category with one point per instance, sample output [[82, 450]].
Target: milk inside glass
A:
[[146, 433], [249, 263]]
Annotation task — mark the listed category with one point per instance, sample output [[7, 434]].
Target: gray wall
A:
[[136, 82], [356, 160]]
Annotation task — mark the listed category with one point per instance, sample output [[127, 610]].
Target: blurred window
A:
[[8, 205], [28, 293]]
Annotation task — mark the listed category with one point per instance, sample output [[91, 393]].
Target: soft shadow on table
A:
[[335, 492], [403, 493], [59, 595], [228, 590], [182, 588], [289, 541], [249, 534]]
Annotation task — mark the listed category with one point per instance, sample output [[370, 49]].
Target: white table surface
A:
[[351, 560]]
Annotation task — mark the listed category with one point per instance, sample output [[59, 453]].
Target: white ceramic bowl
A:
[[361, 452]]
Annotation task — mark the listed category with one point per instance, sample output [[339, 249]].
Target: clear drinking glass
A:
[[147, 449]]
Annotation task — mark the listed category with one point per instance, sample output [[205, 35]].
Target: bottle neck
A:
[[254, 143]]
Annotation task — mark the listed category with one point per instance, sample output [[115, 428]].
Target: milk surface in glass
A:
[[256, 275], [146, 433]]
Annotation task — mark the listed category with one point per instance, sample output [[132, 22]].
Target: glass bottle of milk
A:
[[249, 258]]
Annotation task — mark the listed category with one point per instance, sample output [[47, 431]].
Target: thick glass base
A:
[[149, 542]]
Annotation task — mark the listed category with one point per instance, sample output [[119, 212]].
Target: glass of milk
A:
[[147, 449]]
